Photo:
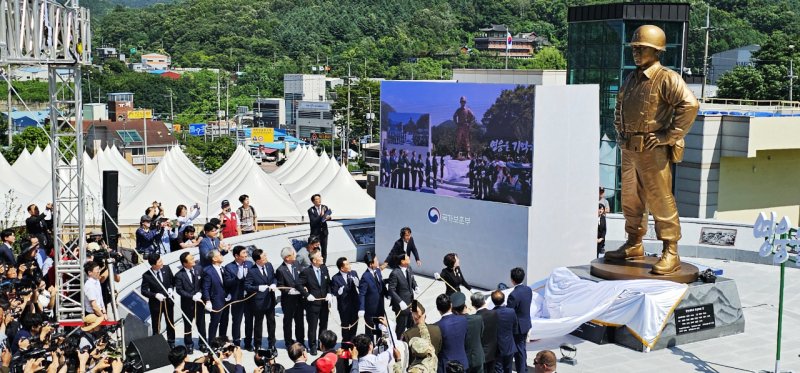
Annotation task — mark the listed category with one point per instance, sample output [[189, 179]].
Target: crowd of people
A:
[[228, 306]]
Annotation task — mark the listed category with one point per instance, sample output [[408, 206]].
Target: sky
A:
[[440, 99]]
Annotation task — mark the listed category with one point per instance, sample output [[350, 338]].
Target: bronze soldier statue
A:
[[655, 110], [463, 118]]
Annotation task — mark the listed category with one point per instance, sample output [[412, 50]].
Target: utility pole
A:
[[144, 118], [219, 104], [227, 102], [10, 121], [791, 74], [707, 28], [346, 147]]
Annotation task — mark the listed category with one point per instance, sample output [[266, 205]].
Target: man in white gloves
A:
[[402, 287], [213, 288], [237, 271], [345, 287], [291, 302], [187, 285], [315, 287], [261, 281], [157, 284]]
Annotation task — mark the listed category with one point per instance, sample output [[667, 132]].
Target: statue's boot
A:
[[670, 262], [631, 249]]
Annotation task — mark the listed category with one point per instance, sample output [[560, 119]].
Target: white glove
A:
[[293, 291], [437, 276], [262, 288], [197, 297], [360, 314], [171, 293], [341, 290], [160, 297], [416, 292], [310, 298], [208, 307], [355, 281], [273, 288], [228, 298], [329, 298], [403, 305]]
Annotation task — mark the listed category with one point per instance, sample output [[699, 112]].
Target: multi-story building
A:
[[493, 39], [269, 112], [129, 137], [314, 117], [155, 61], [598, 52], [301, 87], [119, 104], [725, 61]]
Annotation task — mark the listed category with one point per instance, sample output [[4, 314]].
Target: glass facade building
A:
[[598, 53]]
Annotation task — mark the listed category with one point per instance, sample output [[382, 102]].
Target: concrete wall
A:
[[767, 182]]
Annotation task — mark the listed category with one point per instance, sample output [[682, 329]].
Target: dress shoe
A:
[[189, 350], [313, 349], [248, 348], [670, 262], [203, 349], [631, 249]]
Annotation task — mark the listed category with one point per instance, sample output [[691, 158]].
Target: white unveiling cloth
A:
[[567, 301]]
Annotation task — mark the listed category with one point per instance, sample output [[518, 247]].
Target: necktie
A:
[[377, 277], [316, 271], [264, 272], [189, 275], [221, 277], [158, 274]]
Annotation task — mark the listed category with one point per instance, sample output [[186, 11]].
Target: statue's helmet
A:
[[649, 36]]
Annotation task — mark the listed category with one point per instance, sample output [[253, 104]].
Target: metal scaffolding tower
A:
[[57, 34]]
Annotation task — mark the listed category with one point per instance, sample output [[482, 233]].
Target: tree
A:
[[360, 93], [29, 139], [743, 82]]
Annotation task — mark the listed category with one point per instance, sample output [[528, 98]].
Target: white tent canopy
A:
[[282, 196]]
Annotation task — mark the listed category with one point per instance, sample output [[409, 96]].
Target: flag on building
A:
[[509, 40]]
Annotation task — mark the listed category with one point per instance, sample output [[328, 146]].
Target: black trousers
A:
[[503, 364], [218, 323], [238, 311], [323, 246], [193, 311], [349, 317], [521, 355], [488, 367], [292, 306], [258, 328], [316, 315], [403, 321], [159, 311]]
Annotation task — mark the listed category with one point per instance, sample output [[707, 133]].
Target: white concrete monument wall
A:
[[558, 229]]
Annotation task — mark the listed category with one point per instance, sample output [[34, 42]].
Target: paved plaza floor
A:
[[751, 351]]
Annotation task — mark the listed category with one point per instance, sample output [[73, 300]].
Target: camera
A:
[[263, 358]]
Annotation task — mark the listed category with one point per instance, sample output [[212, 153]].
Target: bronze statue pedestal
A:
[[639, 269]]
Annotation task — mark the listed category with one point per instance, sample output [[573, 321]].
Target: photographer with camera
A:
[[223, 347], [186, 218], [35, 224], [186, 239], [179, 358], [377, 363], [229, 221], [148, 238], [105, 258]]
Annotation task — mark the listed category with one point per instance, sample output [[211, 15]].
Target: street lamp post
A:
[[791, 73]]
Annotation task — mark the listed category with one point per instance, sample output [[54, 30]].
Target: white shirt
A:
[[405, 271], [218, 269], [405, 247], [92, 292]]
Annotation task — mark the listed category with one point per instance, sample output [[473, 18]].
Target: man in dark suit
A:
[[6, 247], [210, 242], [489, 338], [315, 287], [327, 345], [371, 291], [298, 354], [473, 343], [520, 301], [237, 272], [318, 216], [157, 287], [601, 229], [403, 246], [214, 294], [345, 288], [261, 281], [454, 333], [506, 326], [291, 302], [187, 285], [402, 287]]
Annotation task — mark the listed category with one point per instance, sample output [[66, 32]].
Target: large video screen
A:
[[461, 140]]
